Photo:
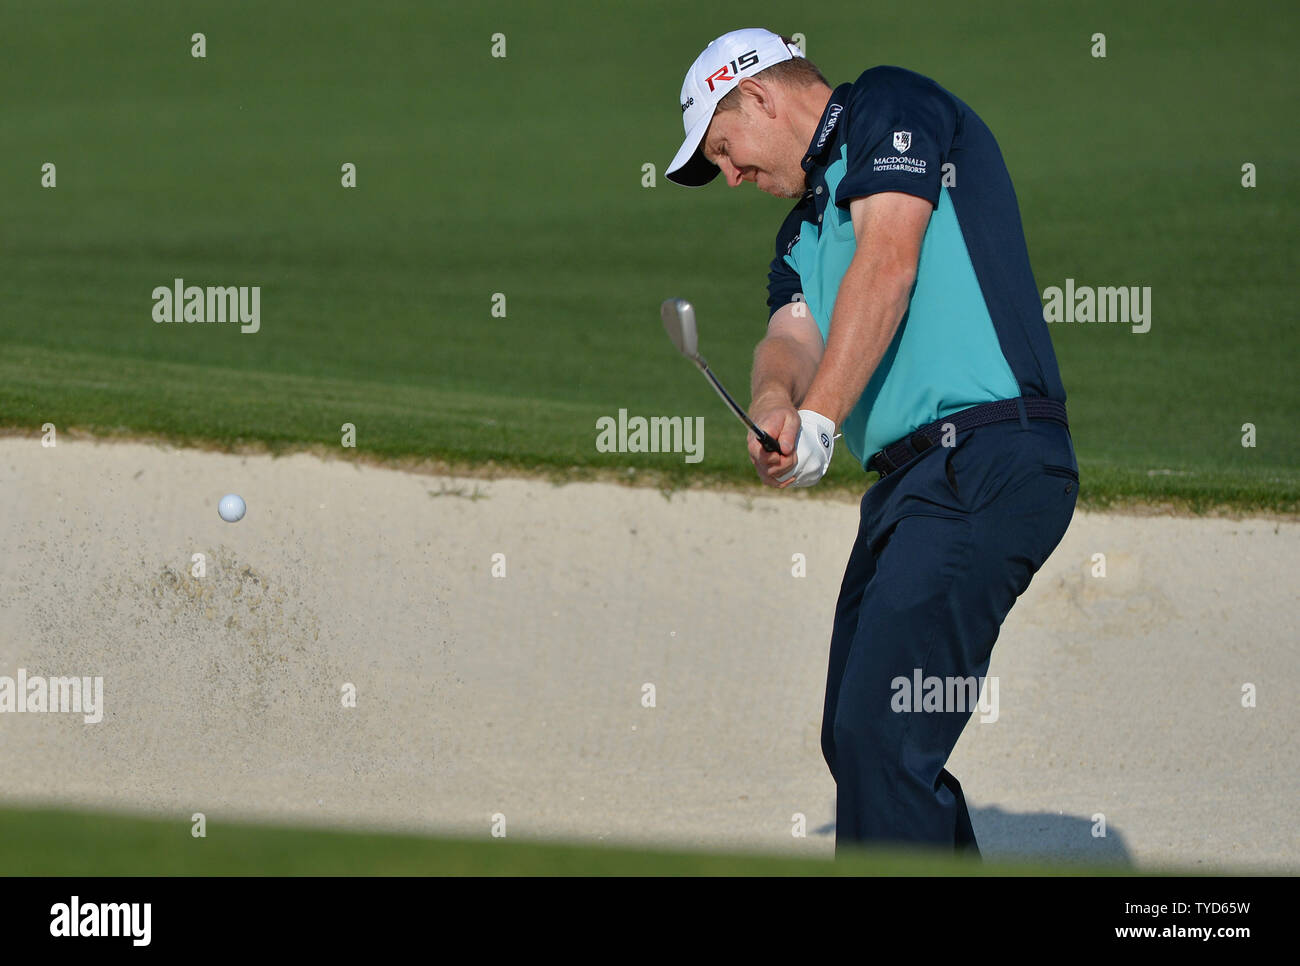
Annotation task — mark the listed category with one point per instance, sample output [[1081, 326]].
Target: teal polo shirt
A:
[[973, 331]]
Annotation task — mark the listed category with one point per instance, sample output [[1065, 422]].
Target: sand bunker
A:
[[525, 694]]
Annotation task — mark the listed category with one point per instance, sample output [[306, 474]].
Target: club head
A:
[[679, 323]]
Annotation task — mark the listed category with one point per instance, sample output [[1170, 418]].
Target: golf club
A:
[[679, 321]]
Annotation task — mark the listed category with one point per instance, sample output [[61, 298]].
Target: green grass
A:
[[523, 176], [49, 842]]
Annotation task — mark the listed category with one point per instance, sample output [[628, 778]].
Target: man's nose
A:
[[731, 172]]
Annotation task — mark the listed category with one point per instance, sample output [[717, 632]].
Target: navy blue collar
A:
[[825, 135]]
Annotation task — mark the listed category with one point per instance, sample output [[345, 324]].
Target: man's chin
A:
[[779, 189]]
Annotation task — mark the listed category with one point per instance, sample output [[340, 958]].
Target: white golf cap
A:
[[741, 53]]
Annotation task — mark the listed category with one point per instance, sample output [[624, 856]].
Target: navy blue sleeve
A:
[[783, 282], [901, 128]]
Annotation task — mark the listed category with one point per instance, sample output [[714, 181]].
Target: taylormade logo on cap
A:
[[741, 53]]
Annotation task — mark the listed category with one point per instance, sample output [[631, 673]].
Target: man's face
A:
[[750, 146]]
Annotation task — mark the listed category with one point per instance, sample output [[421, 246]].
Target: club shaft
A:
[[768, 442]]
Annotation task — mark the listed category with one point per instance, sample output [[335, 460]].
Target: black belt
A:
[[896, 455]]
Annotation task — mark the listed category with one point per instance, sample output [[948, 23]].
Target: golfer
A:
[[903, 313]]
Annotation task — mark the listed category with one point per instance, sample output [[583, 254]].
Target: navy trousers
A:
[[945, 546]]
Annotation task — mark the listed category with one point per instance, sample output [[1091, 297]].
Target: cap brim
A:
[[690, 167]]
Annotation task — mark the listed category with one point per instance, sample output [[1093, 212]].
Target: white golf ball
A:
[[232, 508]]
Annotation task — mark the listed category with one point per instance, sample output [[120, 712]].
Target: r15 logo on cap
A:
[[721, 75]]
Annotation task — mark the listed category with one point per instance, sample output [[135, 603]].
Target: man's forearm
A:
[[871, 302], [783, 369]]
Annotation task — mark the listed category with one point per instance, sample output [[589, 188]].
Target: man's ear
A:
[[759, 95]]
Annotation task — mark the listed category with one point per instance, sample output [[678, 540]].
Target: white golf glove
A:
[[813, 453]]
